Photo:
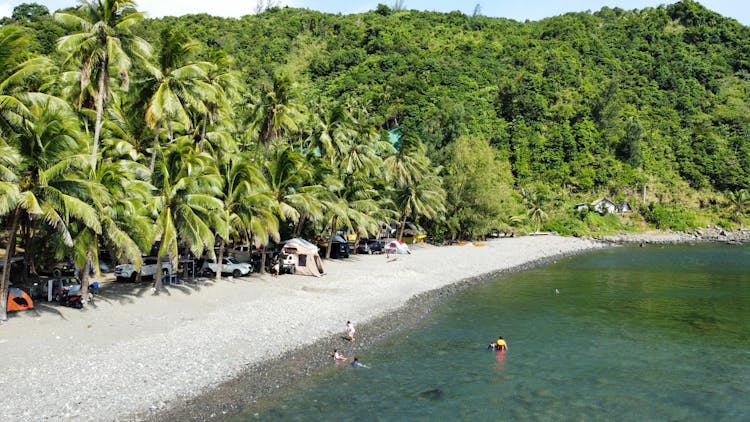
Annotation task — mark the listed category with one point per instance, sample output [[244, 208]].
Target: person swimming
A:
[[357, 364], [500, 345], [338, 356]]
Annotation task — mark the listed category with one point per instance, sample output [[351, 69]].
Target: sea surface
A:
[[654, 333]]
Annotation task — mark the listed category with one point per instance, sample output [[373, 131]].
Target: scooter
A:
[[74, 300]]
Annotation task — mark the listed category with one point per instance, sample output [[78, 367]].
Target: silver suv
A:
[[148, 269]]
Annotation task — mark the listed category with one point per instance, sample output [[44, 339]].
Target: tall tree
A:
[[51, 178], [248, 205], [177, 86], [186, 201], [277, 110], [105, 48]]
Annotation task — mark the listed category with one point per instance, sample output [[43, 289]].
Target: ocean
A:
[[628, 334]]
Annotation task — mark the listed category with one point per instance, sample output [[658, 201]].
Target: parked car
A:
[[229, 265], [148, 269], [57, 269], [243, 253], [61, 286], [370, 246], [339, 247]]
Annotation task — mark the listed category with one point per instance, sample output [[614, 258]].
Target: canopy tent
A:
[[396, 247], [18, 300], [306, 258]]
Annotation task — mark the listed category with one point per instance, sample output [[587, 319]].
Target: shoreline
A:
[[259, 385], [207, 349]]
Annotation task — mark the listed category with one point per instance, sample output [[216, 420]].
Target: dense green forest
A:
[[127, 132]]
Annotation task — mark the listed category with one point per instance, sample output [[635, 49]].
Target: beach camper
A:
[[18, 300], [305, 256], [396, 247]]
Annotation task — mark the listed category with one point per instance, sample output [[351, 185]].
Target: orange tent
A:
[[18, 300]]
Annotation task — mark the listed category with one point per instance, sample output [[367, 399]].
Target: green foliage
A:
[[669, 218], [478, 186]]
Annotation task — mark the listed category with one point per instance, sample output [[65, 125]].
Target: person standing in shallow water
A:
[[501, 344], [350, 330]]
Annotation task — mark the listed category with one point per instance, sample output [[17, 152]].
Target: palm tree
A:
[[334, 131], [536, 202], [275, 111], [116, 194], [248, 205], [104, 48], [425, 197], [291, 179], [177, 86], [50, 178], [186, 202], [739, 203], [225, 91], [15, 70]]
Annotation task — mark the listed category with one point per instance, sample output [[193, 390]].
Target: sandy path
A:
[[132, 351]]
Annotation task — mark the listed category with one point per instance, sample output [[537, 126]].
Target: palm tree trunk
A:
[[220, 259], [403, 226], [99, 112], [9, 251], [300, 224], [330, 239], [85, 277], [155, 146], [157, 276], [170, 133], [262, 259], [203, 132]]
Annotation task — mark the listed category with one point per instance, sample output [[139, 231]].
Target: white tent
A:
[[306, 258], [396, 247]]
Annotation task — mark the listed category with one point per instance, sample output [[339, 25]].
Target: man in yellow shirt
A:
[[501, 344]]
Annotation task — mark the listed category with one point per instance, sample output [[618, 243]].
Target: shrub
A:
[[668, 218]]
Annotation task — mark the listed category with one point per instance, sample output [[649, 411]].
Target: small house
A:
[[624, 207], [604, 206]]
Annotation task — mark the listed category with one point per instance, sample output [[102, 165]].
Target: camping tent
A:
[[306, 258], [396, 247], [18, 300]]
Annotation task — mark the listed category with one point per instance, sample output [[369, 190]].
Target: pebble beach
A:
[[208, 348]]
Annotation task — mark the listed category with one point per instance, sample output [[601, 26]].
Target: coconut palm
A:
[[275, 111], [50, 178], [117, 195], [536, 201], [739, 203], [104, 48], [15, 70], [408, 163], [248, 205], [177, 85], [225, 92], [333, 131], [425, 197], [186, 201]]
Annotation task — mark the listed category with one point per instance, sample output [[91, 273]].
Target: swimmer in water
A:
[[338, 356], [357, 364], [501, 345]]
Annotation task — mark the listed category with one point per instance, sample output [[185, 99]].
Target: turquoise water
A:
[[635, 334]]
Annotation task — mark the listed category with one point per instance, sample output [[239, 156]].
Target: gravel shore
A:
[[206, 349]]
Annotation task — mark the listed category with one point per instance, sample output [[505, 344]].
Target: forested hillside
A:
[[585, 104], [295, 122]]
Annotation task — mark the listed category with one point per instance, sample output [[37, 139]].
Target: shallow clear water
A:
[[653, 333]]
